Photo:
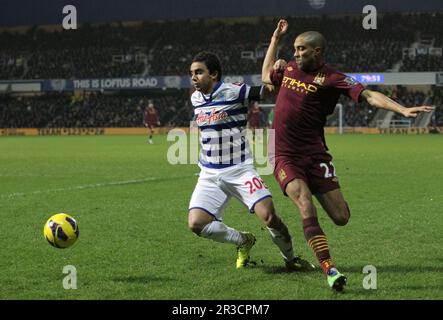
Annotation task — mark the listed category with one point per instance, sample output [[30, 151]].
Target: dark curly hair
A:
[[211, 61]]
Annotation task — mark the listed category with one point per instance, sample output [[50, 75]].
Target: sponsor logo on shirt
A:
[[214, 116], [298, 85]]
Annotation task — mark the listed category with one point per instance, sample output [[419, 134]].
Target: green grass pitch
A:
[[131, 206]]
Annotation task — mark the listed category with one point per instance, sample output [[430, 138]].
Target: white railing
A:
[[394, 123]]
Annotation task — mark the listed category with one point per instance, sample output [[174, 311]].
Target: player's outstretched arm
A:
[[379, 100], [270, 57]]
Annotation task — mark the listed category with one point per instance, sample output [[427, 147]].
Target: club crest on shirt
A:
[[220, 97], [319, 79], [290, 68], [282, 175]]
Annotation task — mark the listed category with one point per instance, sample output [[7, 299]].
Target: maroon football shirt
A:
[[254, 117], [303, 103], [151, 117]]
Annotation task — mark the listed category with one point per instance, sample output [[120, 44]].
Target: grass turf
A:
[[131, 206]]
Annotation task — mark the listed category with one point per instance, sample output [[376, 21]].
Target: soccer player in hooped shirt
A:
[[308, 92], [227, 167]]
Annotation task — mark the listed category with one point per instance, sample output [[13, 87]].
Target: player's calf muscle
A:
[[304, 204]]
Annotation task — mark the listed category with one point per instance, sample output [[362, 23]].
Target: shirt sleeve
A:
[[255, 93], [276, 77], [348, 86]]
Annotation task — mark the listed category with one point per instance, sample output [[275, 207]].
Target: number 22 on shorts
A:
[[255, 184]]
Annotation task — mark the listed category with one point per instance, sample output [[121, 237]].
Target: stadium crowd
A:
[[125, 50], [93, 109], [90, 110]]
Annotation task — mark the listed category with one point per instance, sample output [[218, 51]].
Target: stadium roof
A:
[[44, 12]]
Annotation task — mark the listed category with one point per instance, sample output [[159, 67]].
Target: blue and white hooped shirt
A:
[[222, 120]]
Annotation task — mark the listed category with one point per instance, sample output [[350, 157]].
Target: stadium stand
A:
[[124, 50], [118, 50], [89, 111]]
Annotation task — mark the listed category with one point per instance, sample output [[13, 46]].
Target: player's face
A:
[[201, 79], [306, 56]]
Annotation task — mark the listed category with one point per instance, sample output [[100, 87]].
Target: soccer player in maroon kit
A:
[[308, 92], [151, 120], [254, 116]]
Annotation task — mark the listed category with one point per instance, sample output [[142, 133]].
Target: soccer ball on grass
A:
[[61, 230]]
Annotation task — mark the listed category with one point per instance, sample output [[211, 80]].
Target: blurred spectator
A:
[[121, 51], [89, 110]]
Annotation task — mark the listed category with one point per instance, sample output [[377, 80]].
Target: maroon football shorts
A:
[[317, 171]]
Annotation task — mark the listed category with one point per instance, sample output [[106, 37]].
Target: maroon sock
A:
[[317, 241]]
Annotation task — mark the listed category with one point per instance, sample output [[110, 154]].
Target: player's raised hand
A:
[[279, 65], [414, 111], [281, 29]]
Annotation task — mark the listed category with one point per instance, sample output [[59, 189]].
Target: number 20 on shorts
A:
[[255, 184]]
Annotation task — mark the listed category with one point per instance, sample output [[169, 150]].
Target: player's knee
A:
[[195, 225], [341, 221], [342, 217], [195, 228], [271, 219], [266, 211]]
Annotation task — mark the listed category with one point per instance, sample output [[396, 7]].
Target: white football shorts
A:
[[215, 187]]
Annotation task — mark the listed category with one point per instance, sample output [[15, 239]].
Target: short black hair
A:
[[211, 61], [315, 39]]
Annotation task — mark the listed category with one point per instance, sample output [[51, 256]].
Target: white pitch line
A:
[[86, 186]]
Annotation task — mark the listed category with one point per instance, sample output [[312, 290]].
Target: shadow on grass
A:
[[390, 290], [270, 269], [142, 279], [436, 286], [355, 289], [394, 268]]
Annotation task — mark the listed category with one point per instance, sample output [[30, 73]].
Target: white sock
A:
[[283, 241], [220, 232]]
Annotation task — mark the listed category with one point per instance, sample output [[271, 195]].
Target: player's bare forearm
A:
[[271, 54], [269, 61], [379, 100]]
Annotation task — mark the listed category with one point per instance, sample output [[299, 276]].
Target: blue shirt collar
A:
[[217, 85]]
